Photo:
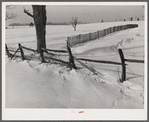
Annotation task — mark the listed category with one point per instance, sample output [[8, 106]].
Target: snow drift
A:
[[52, 86], [30, 84]]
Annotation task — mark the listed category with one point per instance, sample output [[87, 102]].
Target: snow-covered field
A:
[[30, 84]]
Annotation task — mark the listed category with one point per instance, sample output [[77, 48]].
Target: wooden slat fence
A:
[[82, 38]]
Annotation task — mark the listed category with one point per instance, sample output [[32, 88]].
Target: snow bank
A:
[[123, 39], [34, 85], [30, 84]]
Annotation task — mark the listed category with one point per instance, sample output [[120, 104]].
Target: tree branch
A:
[[72, 24], [10, 16], [29, 14]]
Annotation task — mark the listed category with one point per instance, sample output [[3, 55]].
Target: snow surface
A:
[[30, 84]]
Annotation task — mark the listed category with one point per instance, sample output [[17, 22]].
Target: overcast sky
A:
[[85, 13]]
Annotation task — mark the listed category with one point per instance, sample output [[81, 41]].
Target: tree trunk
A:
[[39, 15], [75, 28]]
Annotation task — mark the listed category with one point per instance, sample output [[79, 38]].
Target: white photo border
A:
[[72, 114]]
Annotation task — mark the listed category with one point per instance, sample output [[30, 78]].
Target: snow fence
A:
[[81, 38]]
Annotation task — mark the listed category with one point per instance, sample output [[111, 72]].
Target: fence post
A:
[[89, 36], [71, 59], [70, 41], [21, 51], [121, 27], [123, 65], [7, 51], [114, 29], [104, 32], [111, 30], [98, 34], [107, 31], [80, 39]]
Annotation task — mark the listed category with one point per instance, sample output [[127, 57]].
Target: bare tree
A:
[[39, 16], [74, 22], [10, 15], [131, 19], [138, 19]]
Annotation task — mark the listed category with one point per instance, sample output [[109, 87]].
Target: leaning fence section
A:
[[71, 58], [82, 38]]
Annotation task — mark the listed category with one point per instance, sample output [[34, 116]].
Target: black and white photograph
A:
[[74, 58]]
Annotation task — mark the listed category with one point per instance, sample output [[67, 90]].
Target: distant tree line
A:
[[58, 23], [129, 19], [19, 24], [48, 23], [64, 23]]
